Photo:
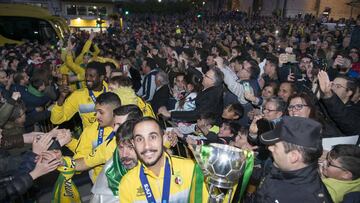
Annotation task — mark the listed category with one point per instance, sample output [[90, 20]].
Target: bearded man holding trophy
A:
[[161, 177]]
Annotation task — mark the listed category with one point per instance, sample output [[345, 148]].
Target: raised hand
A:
[[253, 127], [15, 95], [325, 84], [64, 137], [44, 166], [41, 144]]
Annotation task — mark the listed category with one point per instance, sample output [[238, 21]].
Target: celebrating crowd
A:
[[131, 105]]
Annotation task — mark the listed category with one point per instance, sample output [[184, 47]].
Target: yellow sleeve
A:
[[74, 67], [60, 114], [64, 69], [101, 154], [79, 59], [85, 144], [72, 144], [96, 51]]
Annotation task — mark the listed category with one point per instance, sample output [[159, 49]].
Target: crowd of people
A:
[[272, 86]]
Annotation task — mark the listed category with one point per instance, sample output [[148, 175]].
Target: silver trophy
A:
[[222, 166]]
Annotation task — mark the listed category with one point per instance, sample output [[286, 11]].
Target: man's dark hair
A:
[[144, 119], [310, 155], [112, 65], [273, 60], [151, 63], [351, 84], [108, 98], [238, 49], [122, 81], [234, 127], [36, 82], [19, 109], [18, 77], [99, 67], [125, 131], [349, 158], [238, 109], [132, 111], [255, 70], [238, 59], [209, 118], [218, 76]]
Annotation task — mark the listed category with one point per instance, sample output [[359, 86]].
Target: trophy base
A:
[[220, 183]]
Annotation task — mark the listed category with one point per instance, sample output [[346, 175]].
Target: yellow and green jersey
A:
[[131, 190], [95, 155], [78, 101]]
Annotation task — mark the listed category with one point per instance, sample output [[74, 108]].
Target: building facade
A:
[[338, 8]]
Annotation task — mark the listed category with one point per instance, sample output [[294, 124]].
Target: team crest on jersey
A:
[[140, 192]]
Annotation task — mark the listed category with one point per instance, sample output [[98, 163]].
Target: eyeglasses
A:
[[327, 163], [296, 107], [337, 86], [265, 110]]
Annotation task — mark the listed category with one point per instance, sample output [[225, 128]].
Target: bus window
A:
[[19, 28]]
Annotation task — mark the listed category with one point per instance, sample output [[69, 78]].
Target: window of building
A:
[[92, 10], [71, 9], [81, 10], [102, 10]]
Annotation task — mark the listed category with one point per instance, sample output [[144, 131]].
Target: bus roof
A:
[[23, 10]]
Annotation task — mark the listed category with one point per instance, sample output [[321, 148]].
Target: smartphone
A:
[[247, 86], [291, 58], [125, 68]]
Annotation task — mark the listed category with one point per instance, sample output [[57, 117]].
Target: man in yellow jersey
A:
[[102, 153], [95, 135], [158, 177], [106, 188], [83, 100]]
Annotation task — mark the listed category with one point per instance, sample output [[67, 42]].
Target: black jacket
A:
[[212, 137], [345, 116], [13, 187], [300, 186], [14, 178], [160, 98], [209, 100]]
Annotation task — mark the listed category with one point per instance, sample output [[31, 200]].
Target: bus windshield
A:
[[20, 28]]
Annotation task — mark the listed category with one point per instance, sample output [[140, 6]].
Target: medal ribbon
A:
[[100, 136], [92, 96], [166, 185]]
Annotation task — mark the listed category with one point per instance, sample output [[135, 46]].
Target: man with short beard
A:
[[83, 100], [158, 176], [105, 188]]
